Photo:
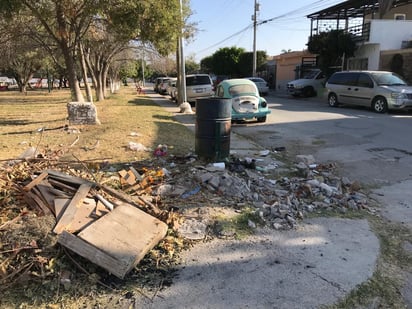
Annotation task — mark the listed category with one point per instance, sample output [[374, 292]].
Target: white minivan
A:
[[379, 90]]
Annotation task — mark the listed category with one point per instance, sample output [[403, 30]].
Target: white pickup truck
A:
[[308, 85]]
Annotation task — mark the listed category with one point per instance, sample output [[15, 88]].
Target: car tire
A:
[[380, 105], [261, 119], [333, 100]]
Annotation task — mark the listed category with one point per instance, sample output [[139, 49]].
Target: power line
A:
[[228, 38], [311, 6]]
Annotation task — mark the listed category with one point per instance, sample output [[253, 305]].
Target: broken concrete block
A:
[[307, 159]]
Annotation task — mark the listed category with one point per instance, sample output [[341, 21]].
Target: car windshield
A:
[[257, 80], [198, 80], [388, 79], [310, 74], [240, 89]]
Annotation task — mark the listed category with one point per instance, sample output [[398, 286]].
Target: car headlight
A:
[[399, 95], [298, 86], [263, 103]]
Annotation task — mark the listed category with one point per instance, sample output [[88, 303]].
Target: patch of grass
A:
[[238, 225], [318, 142], [336, 213], [125, 117], [382, 290]]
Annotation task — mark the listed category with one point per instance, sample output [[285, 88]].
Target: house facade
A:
[[382, 30], [290, 66]]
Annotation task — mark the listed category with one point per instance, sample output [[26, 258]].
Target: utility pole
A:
[[254, 18], [182, 72]]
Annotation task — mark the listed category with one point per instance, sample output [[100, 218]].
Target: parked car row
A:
[[245, 93], [160, 84]]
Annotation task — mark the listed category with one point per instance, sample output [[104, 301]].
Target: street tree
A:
[[191, 66], [333, 48], [67, 22], [245, 64], [21, 56], [225, 61]]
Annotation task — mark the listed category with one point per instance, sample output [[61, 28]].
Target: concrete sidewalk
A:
[[316, 264], [238, 145]]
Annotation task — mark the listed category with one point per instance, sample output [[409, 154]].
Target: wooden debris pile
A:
[[109, 227]]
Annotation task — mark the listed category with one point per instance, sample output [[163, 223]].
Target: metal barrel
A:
[[212, 128]]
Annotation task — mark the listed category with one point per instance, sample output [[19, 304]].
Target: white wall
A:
[[384, 35], [390, 33], [370, 51]]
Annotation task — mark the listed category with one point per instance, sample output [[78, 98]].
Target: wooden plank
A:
[[93, 254], [36, 181], [56, 192], [69, 213], [128, 199], [35, 202], [82, 217], [127, 234], [38, 198], [46, 194], [64, 187], [60, 205], [68, 178]]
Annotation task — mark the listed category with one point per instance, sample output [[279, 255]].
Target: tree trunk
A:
[[104, 78], [68, 54], [100, 86], [85, 75]]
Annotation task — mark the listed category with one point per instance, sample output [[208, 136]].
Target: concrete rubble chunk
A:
[[278, 199], [82, 113], [306, 159]]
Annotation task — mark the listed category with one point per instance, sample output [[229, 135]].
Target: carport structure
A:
[[350, 16]]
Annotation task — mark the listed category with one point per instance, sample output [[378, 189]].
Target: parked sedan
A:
[[172, 89], [246, 101], [261, 84], [157, 83], [162, 89]]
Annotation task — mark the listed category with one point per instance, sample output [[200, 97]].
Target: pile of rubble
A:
[[85, 204], [279, 199]]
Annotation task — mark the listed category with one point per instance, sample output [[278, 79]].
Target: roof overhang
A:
[[352, 9]]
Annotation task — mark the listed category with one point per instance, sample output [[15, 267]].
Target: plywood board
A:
[[93, 254], [126, 234]]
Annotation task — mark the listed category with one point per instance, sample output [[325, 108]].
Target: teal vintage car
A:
[[246, 101]]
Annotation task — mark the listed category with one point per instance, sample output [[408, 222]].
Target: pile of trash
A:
[[74, 207]]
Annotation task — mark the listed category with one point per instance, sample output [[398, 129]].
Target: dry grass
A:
[[20, 118], [123, 113]]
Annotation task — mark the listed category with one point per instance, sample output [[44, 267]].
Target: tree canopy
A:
[[232, 61], [99, 29], [332, 47]]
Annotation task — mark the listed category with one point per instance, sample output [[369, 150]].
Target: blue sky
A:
[[220, 24]]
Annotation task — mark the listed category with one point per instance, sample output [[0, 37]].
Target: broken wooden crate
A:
[[114, 234]]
